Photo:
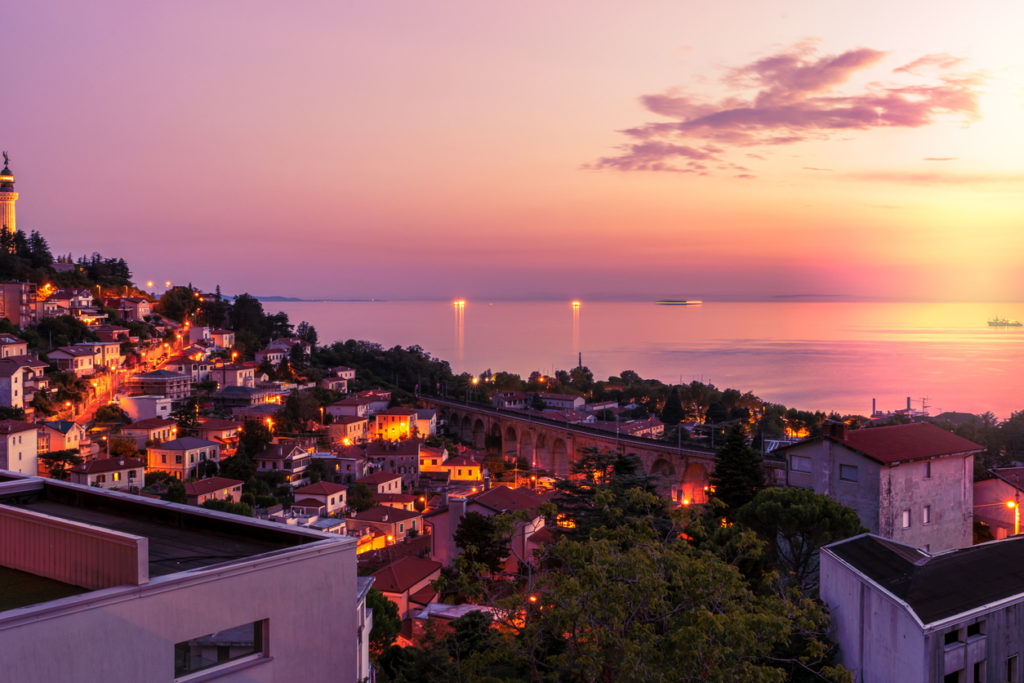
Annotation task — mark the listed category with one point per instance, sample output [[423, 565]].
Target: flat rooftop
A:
[[180, 538]]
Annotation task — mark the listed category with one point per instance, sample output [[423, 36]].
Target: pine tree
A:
[[739, 473]]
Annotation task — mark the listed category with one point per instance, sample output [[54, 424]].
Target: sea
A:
[[832, 356]]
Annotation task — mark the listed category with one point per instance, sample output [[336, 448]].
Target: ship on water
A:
[[679, 302], [1003, 322]]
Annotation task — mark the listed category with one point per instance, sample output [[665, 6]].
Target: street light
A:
[[1016, 516]]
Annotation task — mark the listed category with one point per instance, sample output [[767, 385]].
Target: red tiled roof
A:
[[461, 461], [1014, 476], [16, 427], [394, 497], [384, 514], [308, 503], [504, 498], [321, 488], [424, 595], [101, 465], [902, 443], [403, 574], [217, 423], [204, 486]]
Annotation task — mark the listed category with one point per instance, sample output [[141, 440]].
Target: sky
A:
[[571, 149]]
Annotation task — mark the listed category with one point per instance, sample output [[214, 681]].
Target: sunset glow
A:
[[466, 149]]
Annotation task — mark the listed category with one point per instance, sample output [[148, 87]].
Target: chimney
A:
[[457, 504], [487, 483], [908, 404], [835, 429], [874, 408]]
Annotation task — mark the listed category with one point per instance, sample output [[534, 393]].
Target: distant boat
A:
[[679, 302], [1003, 322]]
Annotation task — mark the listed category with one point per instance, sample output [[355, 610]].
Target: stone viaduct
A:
[[551, 445]]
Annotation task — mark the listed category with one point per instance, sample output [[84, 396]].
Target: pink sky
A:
[[531, 149]]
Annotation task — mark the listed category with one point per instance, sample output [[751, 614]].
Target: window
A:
[[848, 472], [1011, 669], [177, 460], [979, 670], [101, 478], [955, 677], [216, 649], [131, 474], [926, 515], [800, 463], [927, 470], [952, 637], [117, 476], [976, 629], [163, 458], [906, 519], [401, 526]]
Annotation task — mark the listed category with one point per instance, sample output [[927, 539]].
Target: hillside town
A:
[[158, 438]]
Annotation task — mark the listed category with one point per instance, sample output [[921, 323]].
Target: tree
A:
[[123, 447], [739, 472], [479, 539], [795, 523], [386, 624], [253, 439], [360, 497], [243, 509], [177, 303], [186, 414], [673, 412], [239, 466], [306, 333], [112, 413], [59, 463]]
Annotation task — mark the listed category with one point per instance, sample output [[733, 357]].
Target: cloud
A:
[[939, 158], [791, 97], [941, 177]]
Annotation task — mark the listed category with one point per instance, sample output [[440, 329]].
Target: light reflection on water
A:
[[830, 356]]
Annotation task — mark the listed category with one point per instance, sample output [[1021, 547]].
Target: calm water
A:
[[828, 356]]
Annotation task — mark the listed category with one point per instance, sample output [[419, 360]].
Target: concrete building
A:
[[397, 457], [12, 346], [213, 488], [912, 483], [182, 457], [394, 523], [146, 406], [154, 429], [110, 473], [902, 614], [19, 444], [18, 302], [406, 582], [78, 360], [289, 458], [173, 385], [16, 375], [60, 435], [333, 497], [175, 593], [393, 424]]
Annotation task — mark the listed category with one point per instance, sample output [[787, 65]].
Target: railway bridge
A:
[[552, 445]]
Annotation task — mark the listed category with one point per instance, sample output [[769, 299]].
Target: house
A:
[[274, 356], [353, 406], [213, 488], [198, 370], [395, 524], [997, 501], [145, 406], [112, 333], [392, 424], [152, 430], [130, 308], [347, 430], [343, 468], [224, 432], [80, 361], [401, 501], [184, 592], [344, 372], [379, 399], [562, 401], [396, 457], [230, 397], [286, 343], [332, 497], [406, 582], [511, 400], [902, 614], [433, 458], [426, 422], [110, 473], [12, 346], [182, 457], [445, 521], [911, 483], [106, 354], [18, 447], [382, 482], [284, 457], [464, 469], [16, 380], [234, 375], [338, 384], [173, 385], [18, 303], [60, 435], [222, 339]]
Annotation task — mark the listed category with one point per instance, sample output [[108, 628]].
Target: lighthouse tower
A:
[[7, 198]]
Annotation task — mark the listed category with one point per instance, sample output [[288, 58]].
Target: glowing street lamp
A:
[[1016, 516]]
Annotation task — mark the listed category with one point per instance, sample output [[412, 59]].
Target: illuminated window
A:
[[848, 472], [220, 648], [906, 519], [926, 515]]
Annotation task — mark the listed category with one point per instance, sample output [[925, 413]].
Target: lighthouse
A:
[[7, 197]]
